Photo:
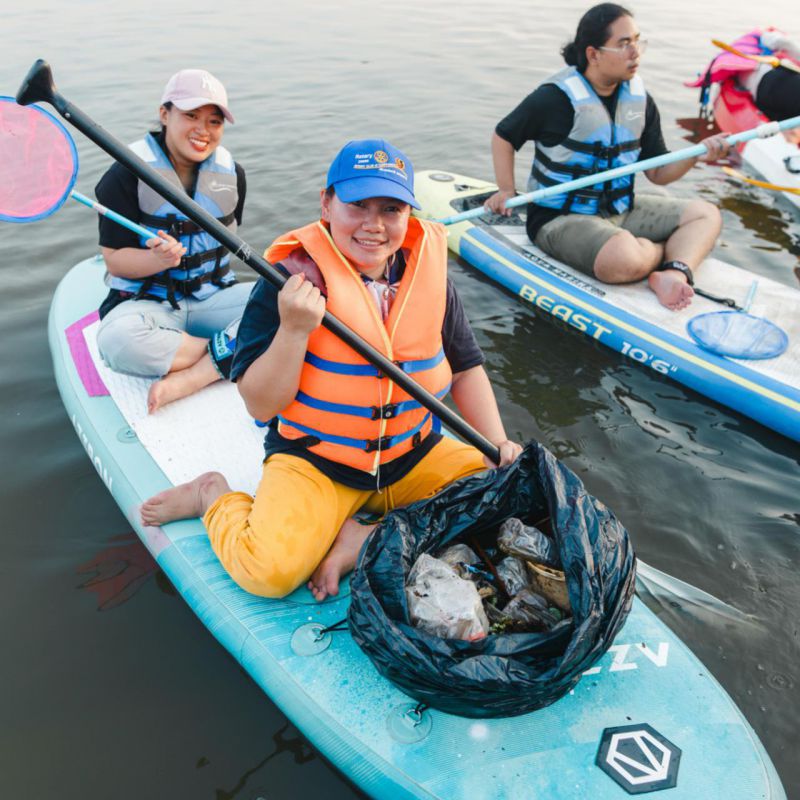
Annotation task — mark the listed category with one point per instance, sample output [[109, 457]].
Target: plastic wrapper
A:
[[527, 542], [462, 559], [443, 604], [530, 611], [513, 573], [504, 674], [458, 554]]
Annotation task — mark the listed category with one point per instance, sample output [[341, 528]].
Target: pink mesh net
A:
[[38, 162]]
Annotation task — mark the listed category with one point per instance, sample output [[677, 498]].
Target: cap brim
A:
[[354, 189], [191, 103]]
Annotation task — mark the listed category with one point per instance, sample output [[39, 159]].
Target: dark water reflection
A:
[[112, 688]]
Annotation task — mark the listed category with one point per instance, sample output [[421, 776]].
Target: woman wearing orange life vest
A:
[[342, 437]]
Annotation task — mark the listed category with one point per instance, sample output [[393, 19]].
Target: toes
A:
[[319, 593]]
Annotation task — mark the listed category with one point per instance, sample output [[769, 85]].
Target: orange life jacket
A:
[[345, 408]]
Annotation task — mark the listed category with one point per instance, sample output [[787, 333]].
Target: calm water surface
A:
[[111, 686]]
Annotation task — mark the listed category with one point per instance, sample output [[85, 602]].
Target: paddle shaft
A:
[[762, 131], [761, 59], [38, 86]]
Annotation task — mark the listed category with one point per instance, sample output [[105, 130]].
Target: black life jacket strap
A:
[[185, 287], [179, 227], [198, 259]]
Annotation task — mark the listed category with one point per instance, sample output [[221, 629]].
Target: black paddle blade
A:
[[38, 85]]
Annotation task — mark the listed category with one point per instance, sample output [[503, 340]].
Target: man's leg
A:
[[626, 258], [697, 232], [688, 228], [601, 247]]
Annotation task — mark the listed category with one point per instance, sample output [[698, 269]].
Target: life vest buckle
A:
[[384, 412], [381, 443]]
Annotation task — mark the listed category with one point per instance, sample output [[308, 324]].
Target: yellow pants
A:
[[272, 543]]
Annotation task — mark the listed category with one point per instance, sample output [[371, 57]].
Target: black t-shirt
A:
[[546, 115], [256, 332], [118, 190]]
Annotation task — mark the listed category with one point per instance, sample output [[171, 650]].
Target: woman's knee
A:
[[129, 344]]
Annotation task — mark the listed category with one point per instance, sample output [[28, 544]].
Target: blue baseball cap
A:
[[367, 168]]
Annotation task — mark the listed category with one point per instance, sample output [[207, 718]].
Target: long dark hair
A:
[[593, 31]]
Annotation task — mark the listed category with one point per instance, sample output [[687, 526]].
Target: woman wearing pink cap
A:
[[166, 314]]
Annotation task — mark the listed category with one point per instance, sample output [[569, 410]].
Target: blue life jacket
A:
[[205, 268], [594, 144]]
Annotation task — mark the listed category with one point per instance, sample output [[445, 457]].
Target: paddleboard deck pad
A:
[[628, 318], [648, 716]]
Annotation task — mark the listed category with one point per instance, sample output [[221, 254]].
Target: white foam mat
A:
[[209, 430]]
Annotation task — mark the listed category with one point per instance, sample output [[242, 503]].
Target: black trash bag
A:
[[502, 674]]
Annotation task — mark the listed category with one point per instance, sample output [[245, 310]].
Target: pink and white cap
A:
[[192, 88]]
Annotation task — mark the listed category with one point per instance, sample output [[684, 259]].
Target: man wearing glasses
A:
[[592, 116]]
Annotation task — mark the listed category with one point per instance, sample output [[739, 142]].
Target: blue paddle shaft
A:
[[112, 215], [760, 132]]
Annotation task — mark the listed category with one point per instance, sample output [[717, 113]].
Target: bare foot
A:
[[181, 383], [671, 289], [341, 558], [186, 501]]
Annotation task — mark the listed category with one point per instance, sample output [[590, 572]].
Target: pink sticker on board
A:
[[82, 358]]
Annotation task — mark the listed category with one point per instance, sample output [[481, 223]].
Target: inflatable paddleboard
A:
[[774, 158], [648, 716], [628, 318]]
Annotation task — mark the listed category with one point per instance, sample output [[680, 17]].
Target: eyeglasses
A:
[[636, 46]]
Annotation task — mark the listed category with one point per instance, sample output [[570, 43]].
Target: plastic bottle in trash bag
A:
[[525, 541]]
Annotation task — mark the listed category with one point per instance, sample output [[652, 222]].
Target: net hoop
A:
[[65, 192], [737, 334]]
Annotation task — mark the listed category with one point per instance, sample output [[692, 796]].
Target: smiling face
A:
[[367, 232], [192, 136], [618, 59]]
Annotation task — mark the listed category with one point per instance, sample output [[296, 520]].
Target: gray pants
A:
[[141, 337]]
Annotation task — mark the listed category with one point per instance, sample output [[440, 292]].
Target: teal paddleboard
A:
[[647, 717]]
